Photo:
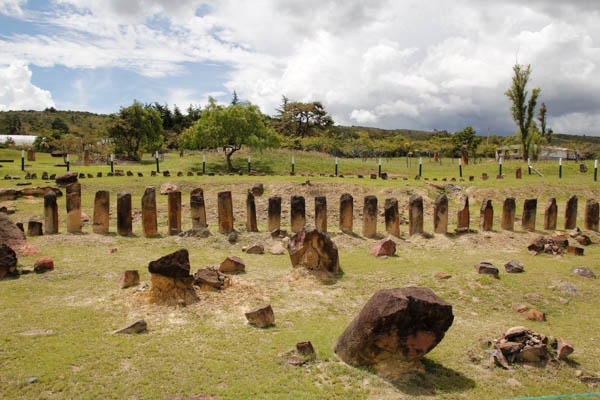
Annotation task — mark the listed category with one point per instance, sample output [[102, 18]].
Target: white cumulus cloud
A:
[[18, 93]]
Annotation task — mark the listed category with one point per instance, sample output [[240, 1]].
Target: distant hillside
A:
[[43, 122]]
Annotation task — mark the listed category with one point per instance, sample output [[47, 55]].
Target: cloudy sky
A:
[[433, 64]]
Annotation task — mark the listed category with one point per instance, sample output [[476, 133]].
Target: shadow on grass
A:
[[436, 379]]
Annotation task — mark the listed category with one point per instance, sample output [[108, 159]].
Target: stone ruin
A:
[[314, 251], [395, 329]]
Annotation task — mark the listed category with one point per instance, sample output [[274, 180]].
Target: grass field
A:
[[209, 348]]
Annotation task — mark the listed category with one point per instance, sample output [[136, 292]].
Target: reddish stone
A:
[[232, 265], [128, 278], [43, 264], [261, 317], [385, 247], [535, 315]]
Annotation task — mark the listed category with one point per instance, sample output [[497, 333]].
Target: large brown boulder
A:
[[8, 261], [174, 265], [314, 251], [66, 179], [12, 236], [396, 325]]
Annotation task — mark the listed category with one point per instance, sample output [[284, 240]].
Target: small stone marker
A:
[[514, 267], [174, 213], [584, 272], [225, 209], [321, 213], [415, 215], [251, 225], [518, 173], [74, 208], [261, 317], [392, 216], [486, 214], [232, 264], [394, 327], [66, 179], [211, 278], [386, 247], [440, 214], [8, 261], [550, 215], [571, 213], [34, 228], [129, 278], [509, 208], [124, 216], [529, 214], [101, 212], [255, 249], [297, 213], [563, 349], [274, 214], [592, 215], [346, 213], [463, 213], [149, 217], [306, 349], [168, 187], [258, 189], [43, 264], [534, 315], [486, 268], [370, 217], [314, 251], [137, 327], [198, 209], [30, 154]]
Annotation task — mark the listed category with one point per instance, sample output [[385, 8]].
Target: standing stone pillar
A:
[[415, 214], [297, 213], [370, 217], [509, 209], [74, 207], [274, 214], [34, 228], [463, 213], [571, 213], [392, 217], [86, 158], [346, 213], [251, 225], [101, 211], [225, 209], [518, 173], [529, 213], [198, 209], [50, 213], [591, 215], [174, 213], [149, 223], [486, 215], [550, 215], [321, 213], [440, 214], [124, 217]]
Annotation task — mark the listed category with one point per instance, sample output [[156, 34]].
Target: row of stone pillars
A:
[[298, 213]]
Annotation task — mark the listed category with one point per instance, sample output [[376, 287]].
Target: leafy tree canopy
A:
[[297, 119]]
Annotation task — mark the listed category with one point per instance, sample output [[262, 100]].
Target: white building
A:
[[20, 140]]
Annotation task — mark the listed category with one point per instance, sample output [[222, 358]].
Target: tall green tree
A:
[[230, 127], [136, 128], [297, 119], [523, 108], [466, 142], [544, 131]]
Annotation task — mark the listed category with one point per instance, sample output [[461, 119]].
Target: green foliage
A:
[[523, 109], [466, 142], [297, 119], [231, 128], [136, 128]]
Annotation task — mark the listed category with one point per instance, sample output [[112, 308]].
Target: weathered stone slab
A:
[[174, 213], [274, 214], [321, 213], [149, 215], [415, 215], [463, 213], [486, 215], [297, 213], [529, 214], [261, 317], [314, 251], [509, 208], [392, 216], [74, 208], [370, 217], [550, 214], [346, 213], [592, 215], [124, 214], [198, 209], [225, 210], [101, 212], [571, 213], [440, 214], [251, 225]]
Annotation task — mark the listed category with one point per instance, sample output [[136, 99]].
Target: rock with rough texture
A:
[[261, 317], [277, 249], [386, 247], [66, 179], [486, 268], [256, 249], [8, 261], [442, 275], [534, 315], [396, 325], [129, 278], [137, 327], [232, 265], [168, 187], [258, 189], [211, 278], [584, 272], [514, 267], [43, 264], [13, 237], [563, 349], [174, 265], [314, 251], [522, 345]]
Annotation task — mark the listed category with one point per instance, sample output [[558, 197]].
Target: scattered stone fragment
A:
[[261, 317], [578, 251], [534, 315], [306, 349], [111, 251], [129, 278], [563, 349], [277, 249], [212, 278], [174, 265], [520, 308], [137, 327], [396, 326], [255, 249], [584, 272], [38, 332], [8, 260], [258, 189], [195, 233], [486, 268], [43, 264], [168, 187], [583, 240], [66, 179], [386, 247], [522, 345], [314, 251], [233, 237], [514, 267], [442, 275], [232, 264]]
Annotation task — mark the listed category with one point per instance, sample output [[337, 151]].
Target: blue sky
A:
[[410, 64]]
